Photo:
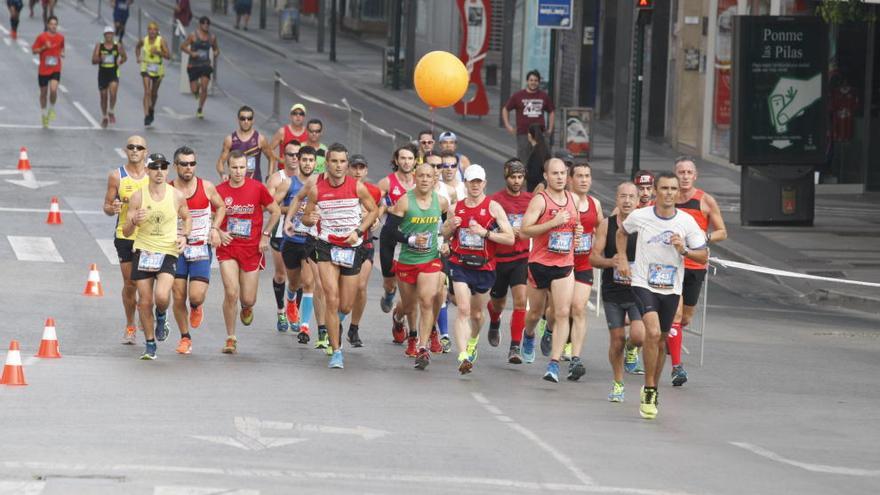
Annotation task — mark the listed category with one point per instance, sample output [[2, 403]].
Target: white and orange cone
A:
[[24, 162], [54, 217], [13, 372], [49, 347], [93, 285]]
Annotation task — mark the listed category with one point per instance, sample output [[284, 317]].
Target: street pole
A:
[[395, 71], [622, 52], [321, 22], [506, 55], [333, 30], [638, 78], [262, 14]]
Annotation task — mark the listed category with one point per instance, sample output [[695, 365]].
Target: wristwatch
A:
[[685, 251], [267, 233]]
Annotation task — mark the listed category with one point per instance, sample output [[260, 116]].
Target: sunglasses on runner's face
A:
[[297, 112], [427, 142], [291, 154], [158, 166], [186, 164], [446, 165], [244, 118], [135, 147], [315, 131]]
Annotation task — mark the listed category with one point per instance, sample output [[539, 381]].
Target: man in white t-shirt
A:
[[665, 237]]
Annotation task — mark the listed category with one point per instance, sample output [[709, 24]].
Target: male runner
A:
[[340, 201], [279, 185], [121, 9], [149, 52], [14, 7], [198, 46], [703, 207], [440, 341], [357, 168], [479, 225], [425, 146], [665, 237], [448, 141], [551, 221], [451, 174], [645, 183], [315, 128], [122, 182], [50, 46], [616, 294], [244, 242], [194, 265], [511, 270], [108, 55], [251, 144], [156, 209], [296, 129]]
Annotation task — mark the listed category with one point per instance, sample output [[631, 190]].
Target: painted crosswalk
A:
[[29, 248], [40, 487]]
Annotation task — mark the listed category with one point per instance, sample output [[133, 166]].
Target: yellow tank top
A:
[[158, 232], [127, 186], [151, 58]]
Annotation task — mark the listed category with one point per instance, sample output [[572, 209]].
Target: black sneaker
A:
[[353, 338], [547, 342], [494, 335], [514, 356], [576, 369], [423, 359]]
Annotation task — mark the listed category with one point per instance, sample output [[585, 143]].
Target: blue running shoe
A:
[[616, 394], [161, 326], [149, 352], [679, 376], [336, 360], [387, 302], [282, 325], [552, 373], [631, 360], [528, 349]]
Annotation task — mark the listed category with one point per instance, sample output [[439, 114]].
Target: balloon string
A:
[[431, 112]]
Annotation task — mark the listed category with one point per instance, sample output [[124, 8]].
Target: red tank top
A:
[[340, 210], [692, 207], [200, 211], [588, 219], [515, 207], [464, 243], [396, 189], [290, 136], [376, 193], [556, 246]]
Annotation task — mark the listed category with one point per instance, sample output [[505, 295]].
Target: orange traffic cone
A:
[[93, 285], [13, 373], [54, 217], [23, 162], [49, 347]]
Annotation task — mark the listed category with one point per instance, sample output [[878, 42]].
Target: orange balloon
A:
[[440, 79]]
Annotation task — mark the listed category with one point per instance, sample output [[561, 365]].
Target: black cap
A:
[[357, 158], [156, 159], [565, 156]]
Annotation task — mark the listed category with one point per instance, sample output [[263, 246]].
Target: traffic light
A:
[[645, 4]]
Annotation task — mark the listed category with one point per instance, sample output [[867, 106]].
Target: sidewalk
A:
[[842, 244]]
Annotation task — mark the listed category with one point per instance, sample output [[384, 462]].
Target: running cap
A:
[[565, 156], [298, 106], [357, 159], [645, 179], [109, 29], [447, 136], [155, 160], [514, 167], [474, 172]]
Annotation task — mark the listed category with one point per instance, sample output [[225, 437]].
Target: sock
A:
[[15, 24], [493, 316], [305, 309], [151, 341], [341, 317], [472, 342], [160, 314], [443, 321], [299, 295], [193, 306], [278, 287], [185, 336], [353, 328], [517, 324], [291, 295], [322, 328], [673, 343]]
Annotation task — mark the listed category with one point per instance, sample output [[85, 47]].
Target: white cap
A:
[[109, 29], [474, 172], [447, 136]]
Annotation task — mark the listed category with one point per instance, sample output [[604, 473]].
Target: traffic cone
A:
[[13, 373], [54, 217], [93, 285], [49, 347], [23, 162]]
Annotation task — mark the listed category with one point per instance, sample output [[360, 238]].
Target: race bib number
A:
[[469, 240], [239, 227], [422, 242], [560, 242], [515, 220], [620, 279], [202, 54], [196, 253], [251, 164], [152, 68], [585, 245], [661, 276], [109, 59], [121, 5], [298, 226], [342, 256], [150, 262], [51, 61]]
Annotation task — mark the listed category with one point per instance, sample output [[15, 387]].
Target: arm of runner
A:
[[183, 214], [96, 55], [112, 205], [372, 211], [185, 46], [275, 142], [310, 215], [138, 50], [530, 226], [278, 190], [597, 254], [215, 46], [123, 56], [465, 162], [136, 214], [505, 231], [219, 213], [718, 231], [622, 263], [599, 215], [164, 51], [224, 155], [267, 150]]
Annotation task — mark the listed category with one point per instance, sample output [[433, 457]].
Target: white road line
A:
[[816, 468], [54, 127], [121, 153], [198, 490], [63, 88], [109, 250], [22, 487], [3, 28], [85, 113], [23, 43], [34, 248], [7, 41]]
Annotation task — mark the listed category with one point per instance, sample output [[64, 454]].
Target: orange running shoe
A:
[[231, 346], [292, 312], [195, 316], [130, 335], [184, 346], [411, 349], [436, 346]]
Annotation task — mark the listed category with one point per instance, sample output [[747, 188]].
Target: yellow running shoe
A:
[[648, 406], [247, 316]]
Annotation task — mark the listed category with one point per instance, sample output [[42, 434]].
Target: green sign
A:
[[779, 90]]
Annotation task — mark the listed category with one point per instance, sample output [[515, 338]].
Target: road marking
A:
[[63, 89], [34, 248], [85, 113], [249, 433], [174, 115], [816, 468], [197, 490], [29, 180], [546, 447], [109, 250], [22, 43], [2, 28], [46, 210], [22, 487], [7, 41], [121, 153]]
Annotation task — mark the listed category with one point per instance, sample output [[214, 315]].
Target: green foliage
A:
[[841, 11]]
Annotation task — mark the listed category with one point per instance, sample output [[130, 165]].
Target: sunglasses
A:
[[135, 147], [315, 131], [292, 155], [427, 142], [446, 165], [298, 113], [160, 166], [243, 118], [186, 164]]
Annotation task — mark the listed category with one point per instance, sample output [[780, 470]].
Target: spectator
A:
[[529, 104], [183, 12], [540, 153]]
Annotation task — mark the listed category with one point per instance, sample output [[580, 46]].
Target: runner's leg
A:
[[561, 291], [229, 271]]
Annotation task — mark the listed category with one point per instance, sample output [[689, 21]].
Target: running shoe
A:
[[566, 352], [112, 117], [640, 368], [631, 360], [293, 314], [679, 376], [13, 34], [231, 346], [528, 349], [435, 346], [354, 338], [423, 359], [247, 316], [45, 122], [195, 316], [465, 364], [411, 349], [199, 113], [616, 394], [576, 369], [446, 343], [184, 346], [552, 373], [130, 335], [542, 327], [303, 336], [398, 332], [514, 356], [648, 406], [323, 340], [282, 325], [472, 349], [161, 327], [336, 361], [147, 121], [52, 115], [104, 122], [149, 352], [547, 342], [387, 302], [494, 336]]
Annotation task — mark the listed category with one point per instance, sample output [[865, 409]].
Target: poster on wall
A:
[[476, 27], [578, 131], [536, 47]]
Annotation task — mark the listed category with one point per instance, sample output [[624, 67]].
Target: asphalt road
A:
[[785, 401]]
